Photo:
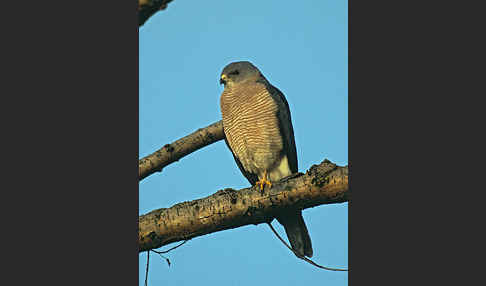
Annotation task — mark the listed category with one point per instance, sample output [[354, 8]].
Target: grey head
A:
[[238, 72]]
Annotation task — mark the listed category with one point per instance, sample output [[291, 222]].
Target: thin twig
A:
[[303, 258], [146, 270], [165, 251]]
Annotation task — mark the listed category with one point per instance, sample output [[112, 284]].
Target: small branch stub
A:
[[146, 8]]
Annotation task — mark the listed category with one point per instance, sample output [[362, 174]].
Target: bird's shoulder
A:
[[275, 93]]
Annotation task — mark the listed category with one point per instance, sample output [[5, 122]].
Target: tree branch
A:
[[146, 8], [170, 153], [325, 183]]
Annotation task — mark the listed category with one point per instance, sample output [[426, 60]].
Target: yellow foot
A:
[[263, 181]]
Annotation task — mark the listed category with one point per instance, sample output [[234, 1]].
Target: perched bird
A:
[[259, 133]]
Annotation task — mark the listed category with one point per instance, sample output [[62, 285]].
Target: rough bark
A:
[[322, 184], [146, 8], [172, 152]]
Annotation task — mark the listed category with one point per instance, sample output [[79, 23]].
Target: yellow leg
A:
[[264, 181]]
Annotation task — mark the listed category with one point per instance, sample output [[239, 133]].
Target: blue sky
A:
[[301, 48]]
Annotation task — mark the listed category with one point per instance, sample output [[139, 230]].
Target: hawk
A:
[[259, 133]]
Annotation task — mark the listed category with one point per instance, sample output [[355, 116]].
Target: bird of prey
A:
[[259, 133]]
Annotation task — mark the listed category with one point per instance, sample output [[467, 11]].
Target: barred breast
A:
[[251, 126]]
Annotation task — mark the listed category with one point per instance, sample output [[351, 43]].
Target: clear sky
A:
[[301, 48]]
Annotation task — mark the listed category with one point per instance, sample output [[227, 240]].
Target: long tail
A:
[[297, 233]]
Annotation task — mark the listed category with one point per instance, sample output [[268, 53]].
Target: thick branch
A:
[[170, 153], [146, 8], [322, 184]]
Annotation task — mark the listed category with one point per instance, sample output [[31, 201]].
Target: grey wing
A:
[[285, 124], [252, 178]]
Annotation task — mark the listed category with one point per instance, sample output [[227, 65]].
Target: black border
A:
[[414, 120], [70, 136]]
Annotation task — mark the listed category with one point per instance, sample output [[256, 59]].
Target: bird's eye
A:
[[235, 72]]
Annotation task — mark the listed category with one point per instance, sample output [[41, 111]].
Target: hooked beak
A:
[[223, 78]]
